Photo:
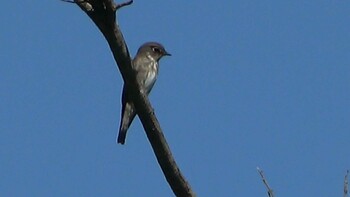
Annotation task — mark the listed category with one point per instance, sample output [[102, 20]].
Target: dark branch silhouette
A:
[[269, 189], [346, 184], [124, 4], [103, 14]]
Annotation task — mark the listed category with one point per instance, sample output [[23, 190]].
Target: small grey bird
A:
[[146, 65]]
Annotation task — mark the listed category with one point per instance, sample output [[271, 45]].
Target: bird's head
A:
[[153, 50]]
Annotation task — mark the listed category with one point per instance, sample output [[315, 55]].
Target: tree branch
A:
[[346, 184], [124, 4], [269, 189], [103, 14]]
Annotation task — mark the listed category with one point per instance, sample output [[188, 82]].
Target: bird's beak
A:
[[166, 53]]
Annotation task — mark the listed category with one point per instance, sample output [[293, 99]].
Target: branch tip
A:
[[269, 189], [68, 1], [346, 184], [120, 5]]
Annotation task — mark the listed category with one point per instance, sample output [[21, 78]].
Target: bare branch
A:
[[346, 184], [269, 189], [103, 14], [68, 1], [120, 5]]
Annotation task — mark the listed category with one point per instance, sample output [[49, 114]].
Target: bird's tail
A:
[[128, 115], [124, 126], [121, 136]]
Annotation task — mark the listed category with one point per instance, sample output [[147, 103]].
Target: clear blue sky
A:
[[250, 83]]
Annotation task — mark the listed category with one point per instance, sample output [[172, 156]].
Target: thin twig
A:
[[346, 184], [120, 5], [68, 1], [269, 189]]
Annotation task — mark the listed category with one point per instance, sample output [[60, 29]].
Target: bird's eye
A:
[[156, 50]]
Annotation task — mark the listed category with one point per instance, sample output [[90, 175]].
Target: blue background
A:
[[250, 83]]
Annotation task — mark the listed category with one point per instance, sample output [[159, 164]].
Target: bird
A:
[[146, 65]]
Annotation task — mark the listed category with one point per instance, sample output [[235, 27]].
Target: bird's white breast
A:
[[151, 77]]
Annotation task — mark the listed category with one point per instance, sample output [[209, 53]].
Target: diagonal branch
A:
[[269, 189], [346, 184], [103, 14]]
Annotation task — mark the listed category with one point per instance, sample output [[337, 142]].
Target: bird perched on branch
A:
[[146, 65]]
